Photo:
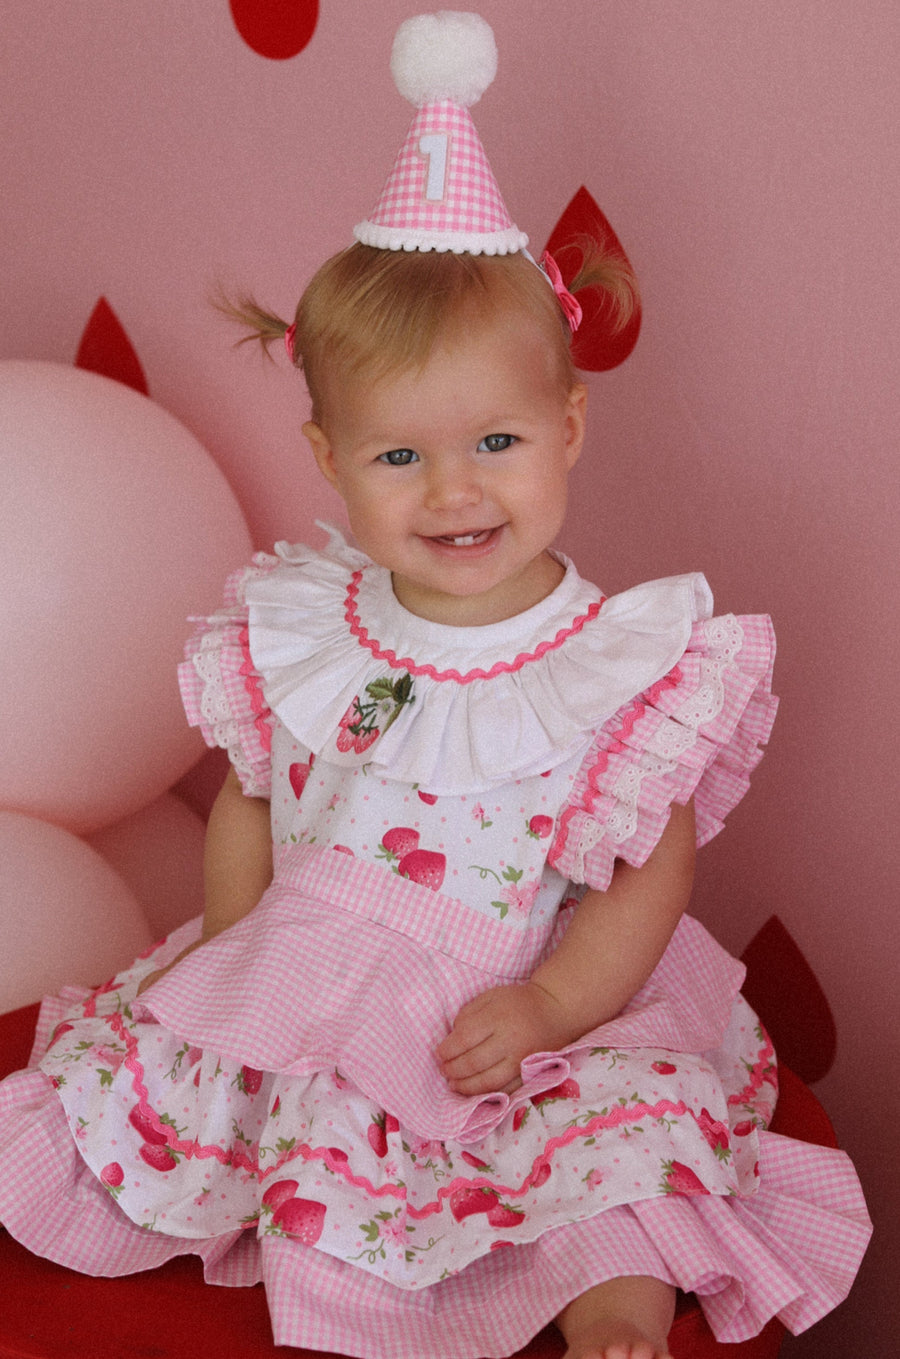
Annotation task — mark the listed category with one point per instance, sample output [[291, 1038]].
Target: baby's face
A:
[[454, 475]]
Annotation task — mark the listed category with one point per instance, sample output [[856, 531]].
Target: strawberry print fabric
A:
[[273, 1103]]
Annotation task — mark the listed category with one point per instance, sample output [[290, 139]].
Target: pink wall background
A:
[[747, 157]]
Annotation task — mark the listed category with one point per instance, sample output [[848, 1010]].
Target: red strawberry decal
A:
[[429, 798], [106, 349], [398, 842], [425, 867], [157, 1157], [112, 1175], [568, 1089], [520, 1116], [503, 1216], [680, 1179], [744, 1129], [279, 1193], [664, 1068], [539, 827], [300, 1218], [298, 774], [465, 1202]]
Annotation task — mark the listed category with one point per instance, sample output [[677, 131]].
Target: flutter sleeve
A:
[[220, 688], [698, 732]]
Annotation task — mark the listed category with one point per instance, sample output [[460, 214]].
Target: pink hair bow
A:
[[569, 304]]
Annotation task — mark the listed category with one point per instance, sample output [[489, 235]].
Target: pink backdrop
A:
[[747, 157]]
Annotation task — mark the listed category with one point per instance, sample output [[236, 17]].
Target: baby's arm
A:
[[237, 863], [614, 942]]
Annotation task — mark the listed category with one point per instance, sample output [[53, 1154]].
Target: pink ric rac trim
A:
[[501, 668], [262, 712], [617, 744], [764, 1070], [540, 1169], [239, 1157]]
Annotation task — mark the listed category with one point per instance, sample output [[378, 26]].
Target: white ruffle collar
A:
[[358, 679]]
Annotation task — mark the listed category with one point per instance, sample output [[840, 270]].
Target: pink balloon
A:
[[158, 853], [116, 525], [65, 915]]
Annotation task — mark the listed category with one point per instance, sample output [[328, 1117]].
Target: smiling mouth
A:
[[474, 539]]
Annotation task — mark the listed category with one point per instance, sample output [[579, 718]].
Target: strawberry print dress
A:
[[440, 797]]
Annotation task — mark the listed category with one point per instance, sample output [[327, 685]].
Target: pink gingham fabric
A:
[[441, 193], [273, 1104]]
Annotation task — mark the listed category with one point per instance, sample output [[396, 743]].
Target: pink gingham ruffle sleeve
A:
[[221, 689], [698, 732]]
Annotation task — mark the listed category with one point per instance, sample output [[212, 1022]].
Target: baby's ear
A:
[[322, 451], [576, 417]]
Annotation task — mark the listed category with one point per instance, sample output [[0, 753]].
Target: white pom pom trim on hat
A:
[[448, 55]]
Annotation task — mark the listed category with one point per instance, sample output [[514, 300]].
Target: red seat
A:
[[170, 1313]]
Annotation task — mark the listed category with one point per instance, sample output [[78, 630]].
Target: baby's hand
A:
[[493, 1032]]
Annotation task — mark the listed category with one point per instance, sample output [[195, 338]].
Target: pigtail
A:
[[260, 324], [609, 273]]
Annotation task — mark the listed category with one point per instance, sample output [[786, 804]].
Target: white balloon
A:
[[158, 852], [67, 916], [115, 526]]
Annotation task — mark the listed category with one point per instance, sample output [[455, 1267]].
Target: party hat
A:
[[441, 194]]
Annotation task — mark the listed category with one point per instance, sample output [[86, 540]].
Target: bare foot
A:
[[621, 1319]]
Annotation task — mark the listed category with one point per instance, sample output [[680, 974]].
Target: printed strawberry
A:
[[157, 1157], [423, 866], [744, 1129], [541, 1175], [279, 1193], [248, 1080], [520, 1116], [539, 827], [664, 1068], [714, 1132], [568, 1089], [298, 774], [474, 1161], [301, 1218], [343, 849], [503, 1215], [144, 1127], [398, 841], [338, 1154], [680, 1179], [429, 798], [378, 1130], [112, 1175], [465, 1202], [59, 1031]]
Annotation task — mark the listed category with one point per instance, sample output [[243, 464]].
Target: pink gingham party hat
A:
[[441, 194]]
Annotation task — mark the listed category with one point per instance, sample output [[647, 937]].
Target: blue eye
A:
[[496, 443], [398, 457]]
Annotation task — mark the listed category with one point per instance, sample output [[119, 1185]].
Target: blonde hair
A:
[[369, 312]]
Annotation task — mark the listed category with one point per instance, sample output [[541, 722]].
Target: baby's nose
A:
[[452, 484]]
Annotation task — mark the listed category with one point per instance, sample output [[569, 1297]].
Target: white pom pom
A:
[[448, 55]]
